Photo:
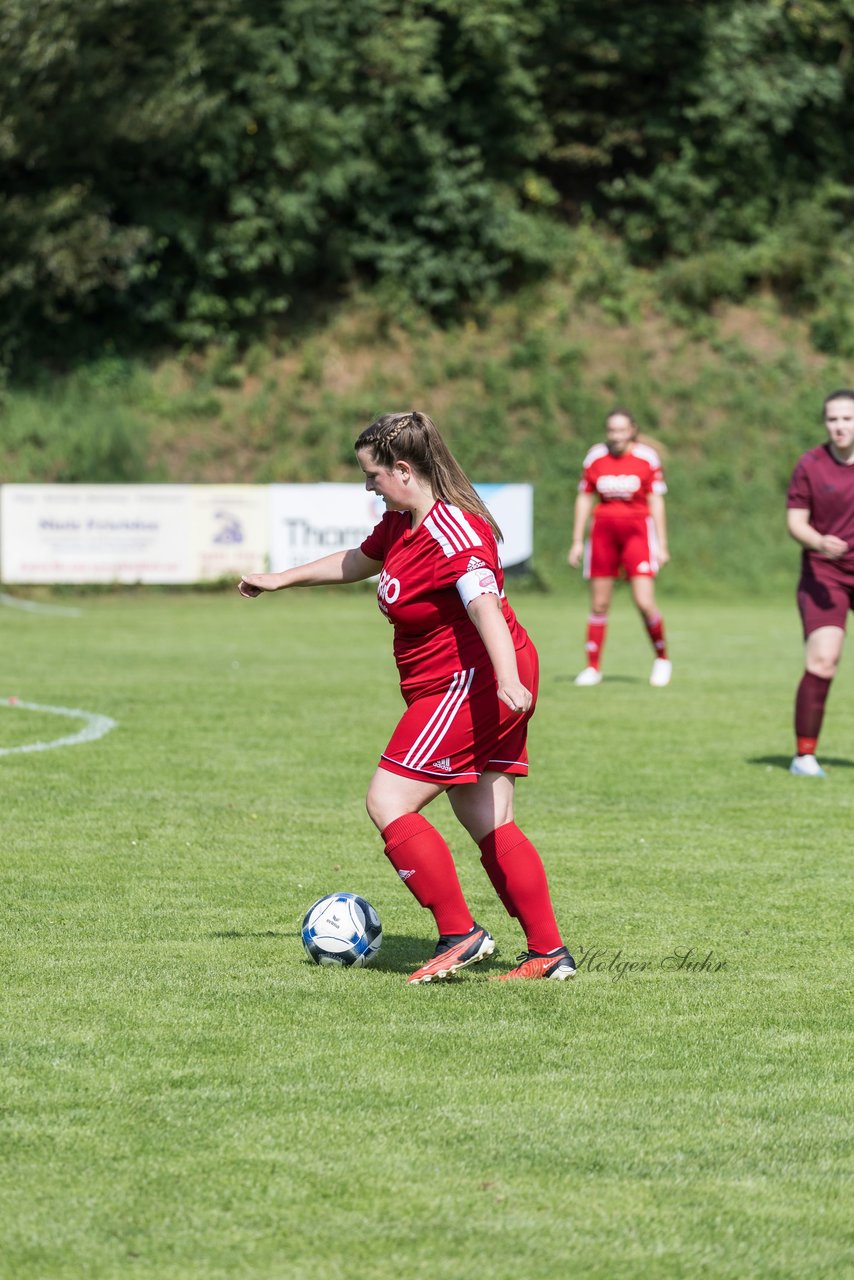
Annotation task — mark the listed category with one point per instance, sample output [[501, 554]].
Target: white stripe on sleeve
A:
[[451, 529], [437, 533], [467, 532]]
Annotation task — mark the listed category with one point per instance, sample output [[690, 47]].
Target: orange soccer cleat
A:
[[450, 956], [557, 964]]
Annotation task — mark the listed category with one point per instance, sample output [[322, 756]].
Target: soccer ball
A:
[[341, 929]]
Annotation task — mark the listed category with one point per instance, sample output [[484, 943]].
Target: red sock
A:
[[423, 861], [809, 711], [655, 627], [519, 878], [597, 625]]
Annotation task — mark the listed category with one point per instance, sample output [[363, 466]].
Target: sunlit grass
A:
[[187, 1097]]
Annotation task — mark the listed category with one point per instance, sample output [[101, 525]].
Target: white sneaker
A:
[[662, 670], [589, 676], [806, 767]]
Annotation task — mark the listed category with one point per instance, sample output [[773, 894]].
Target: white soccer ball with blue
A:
[[342, 929]]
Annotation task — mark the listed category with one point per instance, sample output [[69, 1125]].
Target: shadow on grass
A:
[[400, 953], [783, 762], [267, 933], [403, 952]]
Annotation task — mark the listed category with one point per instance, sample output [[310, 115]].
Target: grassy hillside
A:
[[731, 400]]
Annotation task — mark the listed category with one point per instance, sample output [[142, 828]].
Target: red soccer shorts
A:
[[825, 594], [455, 734], [621, 548]]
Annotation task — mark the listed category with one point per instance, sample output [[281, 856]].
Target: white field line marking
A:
[[32, 606], [95, 726]]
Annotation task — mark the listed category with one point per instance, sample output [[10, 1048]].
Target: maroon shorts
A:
[[825, 595], [457, 733], [622, 548]]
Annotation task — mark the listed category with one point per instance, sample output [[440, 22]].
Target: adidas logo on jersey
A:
[[404, 875], [474, 563], [444, 764]]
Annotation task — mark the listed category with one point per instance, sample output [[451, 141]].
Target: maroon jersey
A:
[[434, 638], [825, 488], [622, 483]]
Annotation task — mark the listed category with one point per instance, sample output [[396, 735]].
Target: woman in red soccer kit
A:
[[623, 487], [820, 517], [468, 675]]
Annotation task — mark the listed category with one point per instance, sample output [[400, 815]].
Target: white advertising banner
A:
[[513, 508], [311, 520], [165, 534], [230, 530], [95, 533], [180, 534]]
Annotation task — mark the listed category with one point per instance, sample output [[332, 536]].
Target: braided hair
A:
[[414, 438]]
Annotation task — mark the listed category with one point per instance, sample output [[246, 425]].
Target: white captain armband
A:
[[479, 582]]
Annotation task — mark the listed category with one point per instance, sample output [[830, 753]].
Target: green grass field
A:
[[185, 1096]]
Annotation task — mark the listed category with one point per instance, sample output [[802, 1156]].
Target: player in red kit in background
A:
[[468, 674], [820, 517], [622, 486]]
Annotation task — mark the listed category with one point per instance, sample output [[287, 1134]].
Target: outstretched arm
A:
[[341, 566], [486, 614]]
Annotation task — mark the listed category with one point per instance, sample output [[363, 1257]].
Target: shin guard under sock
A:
[[597, 627], [655, 630], [517, 874], [809, 711], [423, 861]]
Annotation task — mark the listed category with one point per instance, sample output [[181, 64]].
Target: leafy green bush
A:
[[230, 170]]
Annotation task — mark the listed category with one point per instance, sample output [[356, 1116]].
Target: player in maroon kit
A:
[[468, 675], [623, 487], [820, 517]]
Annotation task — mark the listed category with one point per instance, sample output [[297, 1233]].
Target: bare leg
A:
[[601, 593], [643, 594], [485, 805], [823, 650], [390, 796]]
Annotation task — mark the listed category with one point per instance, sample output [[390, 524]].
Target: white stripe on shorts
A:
[[426, 745]]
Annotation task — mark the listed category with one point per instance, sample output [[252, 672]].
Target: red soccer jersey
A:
[[433, 634], [622, 483], [825, 487]]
